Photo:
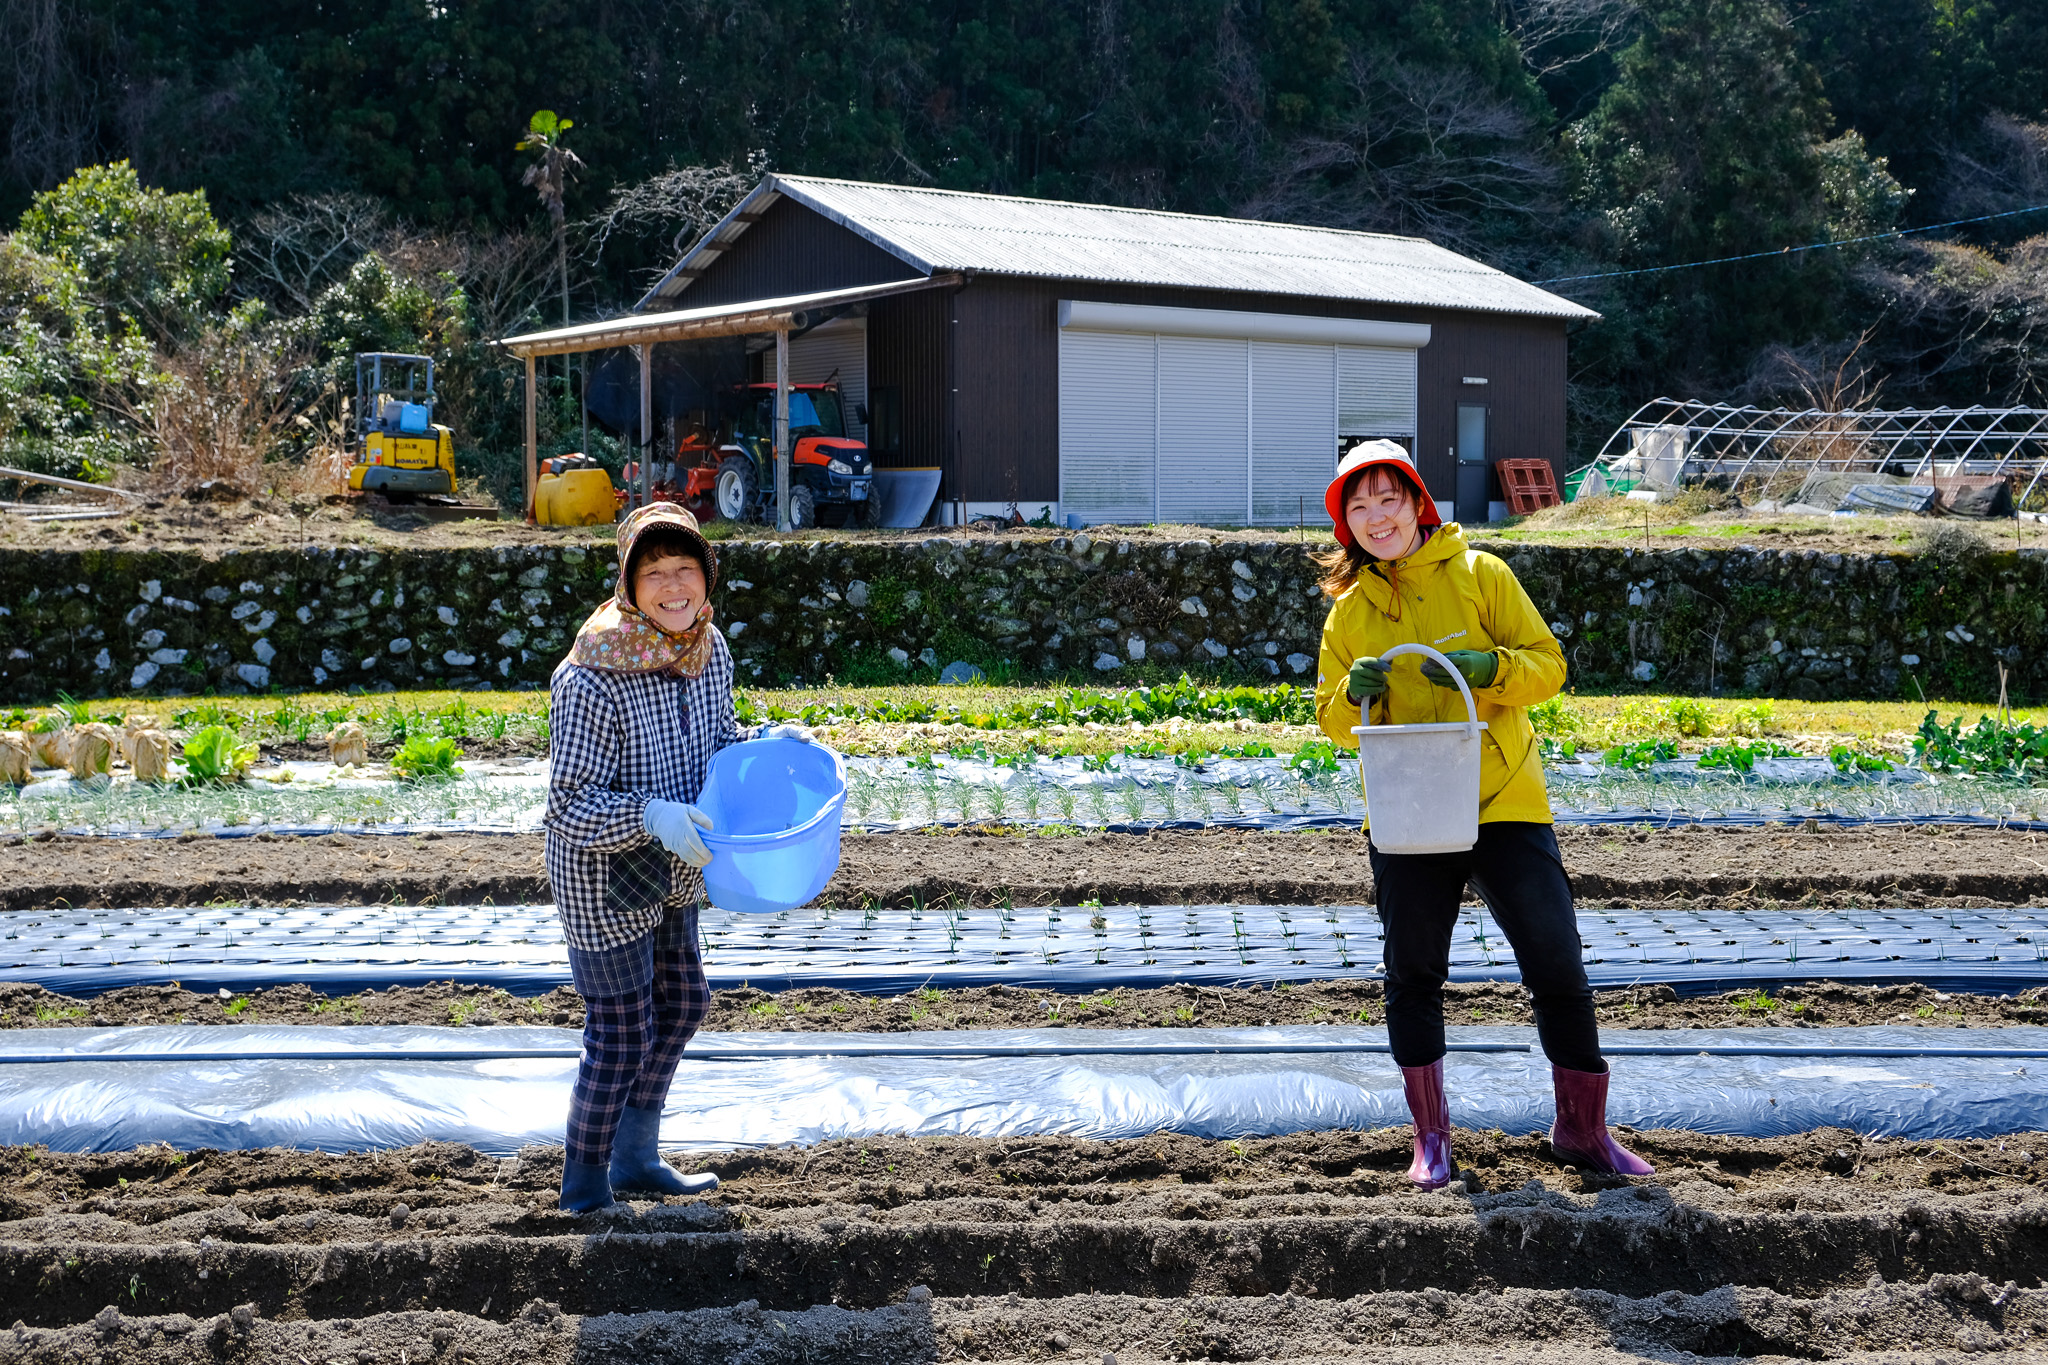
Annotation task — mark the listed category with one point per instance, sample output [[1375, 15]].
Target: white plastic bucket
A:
[[1422, 781]]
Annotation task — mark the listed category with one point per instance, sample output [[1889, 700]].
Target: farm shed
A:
[[1111, 364]]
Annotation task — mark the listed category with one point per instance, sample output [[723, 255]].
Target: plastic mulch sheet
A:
[[500, 1089], [519, 947], [1120, 792]]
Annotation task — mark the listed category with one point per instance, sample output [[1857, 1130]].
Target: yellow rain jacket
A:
[[1448, 596]]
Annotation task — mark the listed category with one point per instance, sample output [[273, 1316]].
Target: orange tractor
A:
[[729, 471]]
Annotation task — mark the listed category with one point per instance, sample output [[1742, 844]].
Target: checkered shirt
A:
[[618, 741]]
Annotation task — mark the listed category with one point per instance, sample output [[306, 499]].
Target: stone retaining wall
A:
[[94, 623]]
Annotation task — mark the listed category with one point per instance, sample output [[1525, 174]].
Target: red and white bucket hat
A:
[[1363, 456]]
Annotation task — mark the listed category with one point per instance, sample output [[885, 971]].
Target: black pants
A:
[[1516, 870]]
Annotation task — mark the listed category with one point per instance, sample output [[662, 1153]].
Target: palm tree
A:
[[549, 176]]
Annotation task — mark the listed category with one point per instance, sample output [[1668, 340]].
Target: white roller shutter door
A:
[[1375, 391], [1203, 387], [1109, 383], [1294, 431], [1206, 427], [841, 346]]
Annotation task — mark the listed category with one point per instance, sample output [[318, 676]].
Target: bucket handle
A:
[[1471, 708]]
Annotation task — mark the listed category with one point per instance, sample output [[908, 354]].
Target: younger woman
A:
[[636, 711], [1399, 576]]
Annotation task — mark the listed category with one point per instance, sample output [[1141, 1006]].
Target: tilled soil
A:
[[814, 1010], [1824, 1245], [1618, 866]]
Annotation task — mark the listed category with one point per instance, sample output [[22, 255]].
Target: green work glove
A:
[[1479, 666], [1368, 679]]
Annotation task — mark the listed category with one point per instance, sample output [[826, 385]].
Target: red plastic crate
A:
[[1529, 484]]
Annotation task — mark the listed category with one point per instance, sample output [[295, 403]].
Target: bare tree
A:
[[49, 112], [1424, 151], [288, 254], [2004, 167], [1555, 35], [678, 205]]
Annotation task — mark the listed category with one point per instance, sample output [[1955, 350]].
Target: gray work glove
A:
[[789, 730], [674, 825], [1368, 680]]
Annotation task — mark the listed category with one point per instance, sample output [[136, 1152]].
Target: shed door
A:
[[1204, 473], [1294, 431], [1109, 413], [843, 346], [1375, 392]]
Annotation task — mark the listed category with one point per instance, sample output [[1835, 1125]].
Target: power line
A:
[[1790, 250]]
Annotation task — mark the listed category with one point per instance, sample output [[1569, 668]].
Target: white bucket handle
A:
[[1471, 708]]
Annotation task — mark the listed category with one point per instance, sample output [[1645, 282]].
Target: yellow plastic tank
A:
[[544, 498], [583, 497]]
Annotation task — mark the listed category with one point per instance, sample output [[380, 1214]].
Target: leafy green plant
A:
[[1739, 757], [1752, 717], [424, 759], [216, 754], [1691, 717], [1317, 756], [1098, 763], [1991, 748], [1557, 750], [1641, 754], [1556, 717], [1858, 760]]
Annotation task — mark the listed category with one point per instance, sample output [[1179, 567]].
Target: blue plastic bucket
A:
[[774, 838]]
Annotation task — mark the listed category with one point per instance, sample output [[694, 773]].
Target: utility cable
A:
[[1792, 250]]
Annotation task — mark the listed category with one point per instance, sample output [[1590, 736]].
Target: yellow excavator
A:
[[400, 452]]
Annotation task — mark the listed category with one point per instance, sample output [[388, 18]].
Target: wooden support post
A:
[[782, 428], [532, 442], [646, 350]]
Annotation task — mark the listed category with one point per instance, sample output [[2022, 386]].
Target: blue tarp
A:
[[239, 1088]]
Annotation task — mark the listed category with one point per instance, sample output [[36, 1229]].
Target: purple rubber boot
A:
[[1580, 1134], [1432, 1168]]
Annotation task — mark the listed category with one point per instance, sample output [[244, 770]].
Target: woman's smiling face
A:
[[1380, 513], [670, 590]]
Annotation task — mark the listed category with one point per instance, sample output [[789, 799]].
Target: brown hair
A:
[[1342, 563]]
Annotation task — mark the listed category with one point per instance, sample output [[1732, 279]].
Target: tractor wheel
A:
[[867, 514], [803, 508], [735, 490]]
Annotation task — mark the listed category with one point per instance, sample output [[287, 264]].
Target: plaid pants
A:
[[633, 1042]]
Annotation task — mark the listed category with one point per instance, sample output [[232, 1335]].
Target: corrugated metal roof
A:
[[725, 319], [999, 234]]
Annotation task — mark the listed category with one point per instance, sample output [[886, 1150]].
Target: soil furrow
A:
[[1828, 866], [1961, 1313], [1631, 1251], [820, 1010], [1324, 1216]]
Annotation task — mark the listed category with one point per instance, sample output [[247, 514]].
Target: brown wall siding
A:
[[907, 350], [1009, 392], [792, 251], [1523, 362], [1009, 377]]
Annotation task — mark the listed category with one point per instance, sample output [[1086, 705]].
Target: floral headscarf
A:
[[619, 637]]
